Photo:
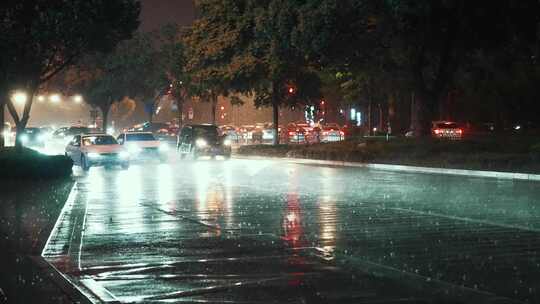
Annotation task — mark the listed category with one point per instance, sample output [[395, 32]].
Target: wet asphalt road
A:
[[267, 231]]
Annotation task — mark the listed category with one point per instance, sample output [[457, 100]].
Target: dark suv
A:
[[202, 140]]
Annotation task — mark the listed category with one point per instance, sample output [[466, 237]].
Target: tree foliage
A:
[[40, 38], [245, 46], [420, 44]]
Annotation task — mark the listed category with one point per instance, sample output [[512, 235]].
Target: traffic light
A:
[[291, 90]]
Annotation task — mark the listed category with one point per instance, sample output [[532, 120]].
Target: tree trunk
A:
[[214, 105], [275, 117], [369, 121], [18, 142], [2, 124], [180, 106], [105, 116], [151, 115]]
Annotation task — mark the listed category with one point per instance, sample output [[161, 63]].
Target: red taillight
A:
[[437, 131], [341, 133], [325, 133], [291, 133], [459, 131]]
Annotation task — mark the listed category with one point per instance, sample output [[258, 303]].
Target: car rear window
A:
[[209, 131], [447, 125], [140, 137], [99, 140]]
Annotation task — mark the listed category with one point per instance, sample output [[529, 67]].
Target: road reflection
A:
[[328, 213]]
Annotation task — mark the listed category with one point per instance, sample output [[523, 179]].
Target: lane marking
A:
[[464, 219], [82, 236], [68, 205]]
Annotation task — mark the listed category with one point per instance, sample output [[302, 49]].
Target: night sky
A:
[[156, 13]]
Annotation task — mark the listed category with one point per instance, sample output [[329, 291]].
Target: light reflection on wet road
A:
[[256, 231]]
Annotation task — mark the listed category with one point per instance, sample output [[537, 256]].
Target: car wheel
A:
[[125, 165], [84, 164]]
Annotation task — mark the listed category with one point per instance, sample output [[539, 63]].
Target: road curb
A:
[[402, 168], [61, 281], [69, 287]]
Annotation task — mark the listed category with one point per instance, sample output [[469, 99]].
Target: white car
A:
[[97, 150], [143, 145]]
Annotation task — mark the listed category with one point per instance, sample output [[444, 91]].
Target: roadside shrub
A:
[[30, 164]]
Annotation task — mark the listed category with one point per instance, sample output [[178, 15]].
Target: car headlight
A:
[[24, 138], [134, 149], [93, 155], [227, 142], [124, 155], [201, 143], [163, 147]]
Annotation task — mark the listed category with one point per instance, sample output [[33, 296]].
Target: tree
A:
[[246, 45], [204, 41], [140, 61], [41, 38], [427, 40], [173, 53]]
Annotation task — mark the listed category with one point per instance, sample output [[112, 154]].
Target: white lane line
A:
[[465, 219], [54, 232], [82, 235]]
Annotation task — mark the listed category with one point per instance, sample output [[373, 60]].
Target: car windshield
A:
[[140, 137], [447, 125], [77, 130], [205, 131], [99, 140]]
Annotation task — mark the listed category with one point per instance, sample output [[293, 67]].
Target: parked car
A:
[[331, 132], [203, 140], [33, 137], [97, 150], [268, 133], [446, 129], [143, 146], [246, 132], [352, 131], [295, 134], [257, 134], [231, 133]]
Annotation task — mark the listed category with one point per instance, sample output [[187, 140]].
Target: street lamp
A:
[[77, 98], [55, 98], [19, 98], [41, 98]]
